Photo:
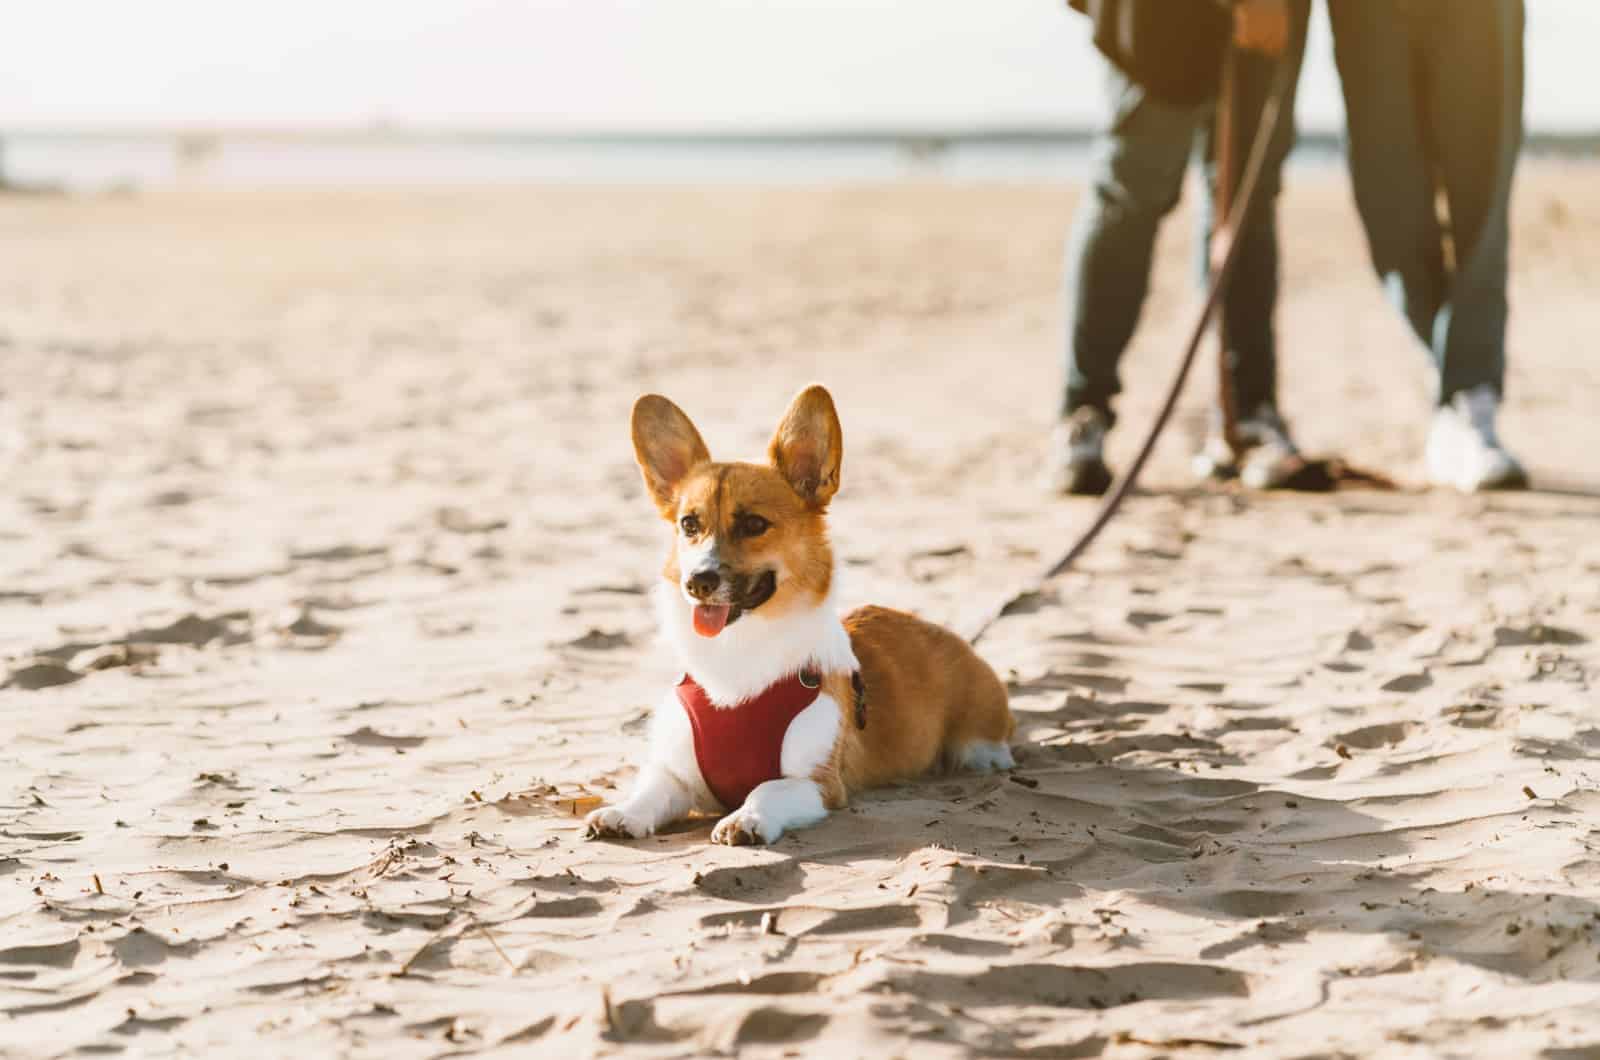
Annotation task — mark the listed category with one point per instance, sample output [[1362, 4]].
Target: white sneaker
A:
[[1464, 453]]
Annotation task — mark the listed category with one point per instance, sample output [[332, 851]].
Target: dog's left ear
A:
[[808, 446]]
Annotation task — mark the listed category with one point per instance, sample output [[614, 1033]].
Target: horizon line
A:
[[381, 130]]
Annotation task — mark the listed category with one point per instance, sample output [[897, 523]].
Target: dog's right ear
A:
[[667, 447]]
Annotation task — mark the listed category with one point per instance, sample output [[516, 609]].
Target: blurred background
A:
[[325, 564], [99, 95]]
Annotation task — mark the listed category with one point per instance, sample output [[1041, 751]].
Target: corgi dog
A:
[[785, 708]]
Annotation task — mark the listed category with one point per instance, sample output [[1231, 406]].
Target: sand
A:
[[322, 605]]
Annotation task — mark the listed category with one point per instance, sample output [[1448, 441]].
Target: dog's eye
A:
[[690, 525], [749, 525]]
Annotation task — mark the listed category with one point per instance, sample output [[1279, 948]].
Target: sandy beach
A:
[[323, 618]]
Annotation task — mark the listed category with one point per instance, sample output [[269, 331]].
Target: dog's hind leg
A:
[[985, 756], [980, 738]]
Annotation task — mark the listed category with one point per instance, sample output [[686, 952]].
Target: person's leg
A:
[[1251, 299], [1470, 60], [1472, 84], [1390, 170], [1135, 180]]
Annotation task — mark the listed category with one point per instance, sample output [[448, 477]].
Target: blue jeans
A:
[[1136, 178], [1433, 94]]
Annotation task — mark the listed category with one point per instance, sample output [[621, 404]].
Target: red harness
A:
[[741, 747]]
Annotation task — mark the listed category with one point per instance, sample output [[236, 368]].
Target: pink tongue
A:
[[709, 619]]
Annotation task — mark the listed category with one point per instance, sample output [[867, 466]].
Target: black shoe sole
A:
[[1088, 480], [1517, 480]]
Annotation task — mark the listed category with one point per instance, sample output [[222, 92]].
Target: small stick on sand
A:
[[405, 969], [484, 931]]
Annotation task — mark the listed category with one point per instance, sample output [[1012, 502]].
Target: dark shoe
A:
[[1268, 454], [1077, 464]]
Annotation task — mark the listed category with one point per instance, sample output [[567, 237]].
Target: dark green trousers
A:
[[1433, 97], [1135, 179]]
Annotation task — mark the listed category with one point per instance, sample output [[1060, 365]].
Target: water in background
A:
[[99, 162], [103, 161]]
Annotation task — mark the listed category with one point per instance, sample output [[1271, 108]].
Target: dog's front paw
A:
[[611, 822], [744, 827]]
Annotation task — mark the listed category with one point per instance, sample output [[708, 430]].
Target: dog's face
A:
[[747, 537]]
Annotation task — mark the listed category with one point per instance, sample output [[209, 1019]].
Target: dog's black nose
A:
[[702, 583]]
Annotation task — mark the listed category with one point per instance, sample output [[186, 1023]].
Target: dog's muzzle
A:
[[740, 592]]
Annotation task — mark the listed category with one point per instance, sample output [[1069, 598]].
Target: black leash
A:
[[1225, 250]]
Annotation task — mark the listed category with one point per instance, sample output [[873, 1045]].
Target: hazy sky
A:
[[623, 63]]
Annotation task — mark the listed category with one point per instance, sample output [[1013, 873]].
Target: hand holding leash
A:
[[1262, 26]]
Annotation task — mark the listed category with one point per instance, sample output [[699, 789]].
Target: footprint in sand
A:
[[1374, 737], [140, 1025], [48, 955], [753, 883], [69, 662], [301, 629], [141, 948], [811, 920], [367, 736], [1407, 683], [600, 640], [1072, 986], [1529, 636], [766, 1025], [338, 553], [577, 906], [32, 676], [771, 983]]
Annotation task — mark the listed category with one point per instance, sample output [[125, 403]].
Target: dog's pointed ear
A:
[[667, 447], [808, 446]]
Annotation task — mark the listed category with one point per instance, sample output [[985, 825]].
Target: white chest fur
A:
[[757, 650]]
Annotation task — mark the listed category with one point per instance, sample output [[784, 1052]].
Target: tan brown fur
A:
[[798, 537], [792, 493], [928, 696]]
